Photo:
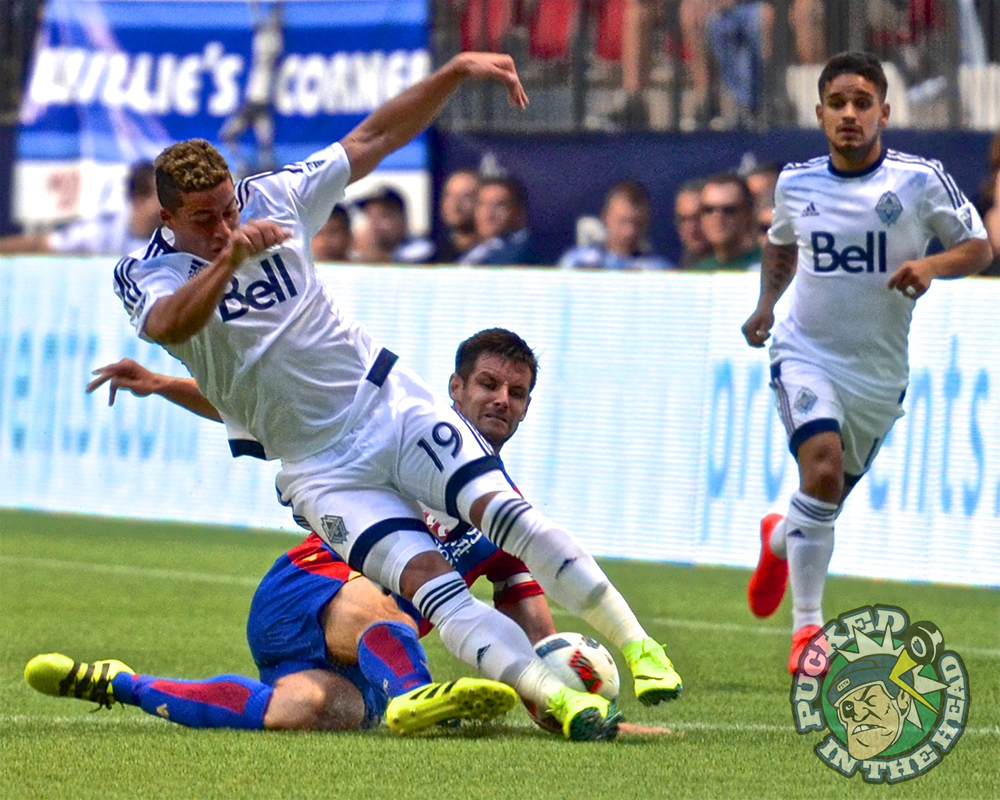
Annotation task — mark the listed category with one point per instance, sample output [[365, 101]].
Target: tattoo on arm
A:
[[778, 269]]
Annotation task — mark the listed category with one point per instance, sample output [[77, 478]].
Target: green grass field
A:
[[172, 600]]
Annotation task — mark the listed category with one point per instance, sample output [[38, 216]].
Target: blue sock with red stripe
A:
[[225, 701], [392, 658]]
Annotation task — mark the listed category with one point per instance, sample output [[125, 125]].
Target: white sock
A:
[[565, 570], [777, 542], [484, 638], [809, 542]]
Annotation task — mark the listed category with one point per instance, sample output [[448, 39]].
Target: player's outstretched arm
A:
[[400, 119], [135, 378], [913, 278], [776, 273], [178, 317]]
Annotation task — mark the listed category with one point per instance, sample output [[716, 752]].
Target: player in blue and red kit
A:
[[331, 647]]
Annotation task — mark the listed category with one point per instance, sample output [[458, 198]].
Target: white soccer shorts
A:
[[361, 495], [809, 402]]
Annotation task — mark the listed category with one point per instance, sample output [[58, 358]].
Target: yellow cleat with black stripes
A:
[[475, 699], [60, 676]]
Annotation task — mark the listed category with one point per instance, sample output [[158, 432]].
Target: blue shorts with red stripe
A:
[[284, 628]]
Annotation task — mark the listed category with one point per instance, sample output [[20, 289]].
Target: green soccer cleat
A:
[[474, 699], [655, 678], [61, 676], [584, 717]]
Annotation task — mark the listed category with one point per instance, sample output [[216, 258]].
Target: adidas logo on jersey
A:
[[810, 210]]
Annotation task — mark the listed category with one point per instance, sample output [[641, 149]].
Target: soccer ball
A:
[[581, 663]]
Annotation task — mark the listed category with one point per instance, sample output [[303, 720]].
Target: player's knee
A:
[[420, 569], [301, 702]]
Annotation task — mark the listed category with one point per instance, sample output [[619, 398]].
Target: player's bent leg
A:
[[767, 584], [60, 676], [572, 577], [495, 645], [316, 700]]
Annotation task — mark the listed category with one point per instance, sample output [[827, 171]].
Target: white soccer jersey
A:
[[276, 359], [853, 230]]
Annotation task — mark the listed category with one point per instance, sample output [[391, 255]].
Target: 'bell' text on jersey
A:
[[277, 359], [853, 230]]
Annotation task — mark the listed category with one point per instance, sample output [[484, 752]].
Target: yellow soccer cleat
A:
[[61, 676], [584, 717], [475, 699], [655, 678]]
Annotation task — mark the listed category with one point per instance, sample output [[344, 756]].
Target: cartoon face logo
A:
[[893, 700], [870, 707]]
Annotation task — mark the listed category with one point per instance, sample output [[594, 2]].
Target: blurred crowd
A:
[[723, 64], [721, 222]]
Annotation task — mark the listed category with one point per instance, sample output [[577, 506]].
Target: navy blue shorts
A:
[[284, 628]]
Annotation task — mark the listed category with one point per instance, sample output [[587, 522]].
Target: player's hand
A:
[[911, 279], [493, 67], [253, 238], [124, 374], [757, 329]]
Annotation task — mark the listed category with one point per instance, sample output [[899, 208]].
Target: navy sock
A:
[[225, 701], [392, 658]]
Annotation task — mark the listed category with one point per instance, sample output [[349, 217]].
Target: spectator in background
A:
[[501, 225], [727, 220], [389, 240], [687, 221], [332, 242], [625, 217], [457, 213], [761, 181], [109, 233]]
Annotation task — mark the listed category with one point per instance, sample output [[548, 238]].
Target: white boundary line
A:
[[709, 727], [239, 580]]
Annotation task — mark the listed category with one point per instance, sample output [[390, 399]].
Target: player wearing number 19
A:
[[854, 227], [228, 288]]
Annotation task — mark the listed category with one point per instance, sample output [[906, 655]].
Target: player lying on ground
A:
[[858, 223], [228, 287], [325, 639]]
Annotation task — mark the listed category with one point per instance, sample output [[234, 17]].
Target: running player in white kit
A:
[[854, 227], [228, 287]]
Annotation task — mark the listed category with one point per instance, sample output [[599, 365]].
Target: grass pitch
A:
[[171, 600]]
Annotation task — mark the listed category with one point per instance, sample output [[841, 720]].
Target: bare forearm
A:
[[777, 271], [180, 316], [400, 119], [967, 258], [185, 393]]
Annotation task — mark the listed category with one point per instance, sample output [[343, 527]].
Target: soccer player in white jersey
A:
[[854, 227], [229, 289]]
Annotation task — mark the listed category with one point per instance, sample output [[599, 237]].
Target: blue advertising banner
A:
[[116, 80]]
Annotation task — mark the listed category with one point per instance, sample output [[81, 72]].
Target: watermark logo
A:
[[892, 699]]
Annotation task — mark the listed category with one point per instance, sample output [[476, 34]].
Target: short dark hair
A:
[[499, 342], [731, 178], [518, 194], [693, 185], [340, 213], [189, 166], [633, 191], [141, 181], [853, 63]]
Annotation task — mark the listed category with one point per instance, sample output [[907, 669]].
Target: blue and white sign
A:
[[652, 432], [117, 80]]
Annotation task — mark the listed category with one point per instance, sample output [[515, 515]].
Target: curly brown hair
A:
[[189, 166]]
